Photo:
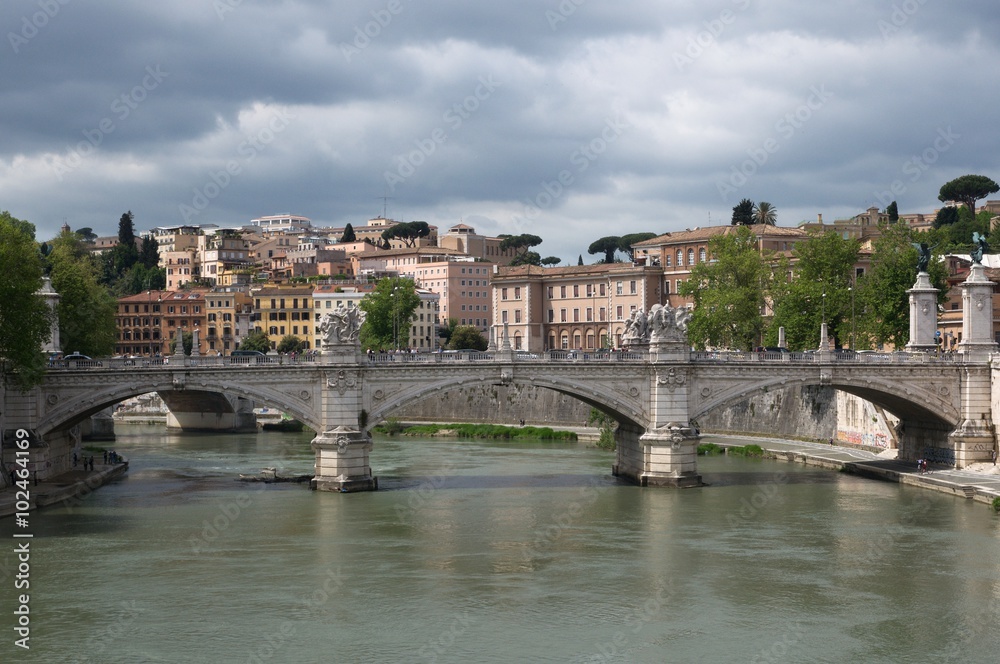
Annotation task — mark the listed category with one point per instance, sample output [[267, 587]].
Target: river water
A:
[[500, 552]]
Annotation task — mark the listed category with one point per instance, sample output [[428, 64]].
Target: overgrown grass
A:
[[996, 504], [709, 449], [493, 431], [751, 451]]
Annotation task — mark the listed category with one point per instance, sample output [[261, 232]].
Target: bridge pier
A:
[[342, 461]]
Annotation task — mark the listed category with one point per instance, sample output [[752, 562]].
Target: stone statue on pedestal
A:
[[981, 248], [341, 327]]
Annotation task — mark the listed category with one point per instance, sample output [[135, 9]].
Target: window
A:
[[690, 256], [680, 258], [590, 314], [618, 288], [631, 287], [503, 293], [602, 313], [666, 260], [576, 315], [517, 292], [552, 315], [666, 287], [576, 290], [618, 312], [549, 292], [562, 291], [562, 315], [517, 315], [701, 254], [503, 316], [602, 290]]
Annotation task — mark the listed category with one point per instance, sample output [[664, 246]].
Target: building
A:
[[222, 254], [464, 239], [280, 223], [138, 324], [281, 310], [184, 311], [229, 319], [677, 253], [566, 308]]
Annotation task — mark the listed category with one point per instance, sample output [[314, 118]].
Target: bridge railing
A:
[[836, 357], [133, 363]]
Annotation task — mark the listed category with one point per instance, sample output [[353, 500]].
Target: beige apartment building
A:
[[581, 307], [677, 253]]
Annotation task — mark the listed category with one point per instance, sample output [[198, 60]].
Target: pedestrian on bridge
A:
[[993, 456]]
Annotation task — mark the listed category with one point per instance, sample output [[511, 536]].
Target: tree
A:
[[882, 301], [409, 232], [86, 309], [389, 309], [467, 337], [149, 252], [946, 216], [445, 331], [819, 291], [626, 241], [25, 318], [527, 258], [579, 260], [519, 243], [126, 229], [291, 344], [967, 190], [729, 293], [139, 278], [551, 260], [607, 246], [349, 235], [893, 211], [86, 234], [743, 213], [765, 213], [256, 340]]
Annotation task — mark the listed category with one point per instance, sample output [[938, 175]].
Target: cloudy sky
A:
[[569, 119]]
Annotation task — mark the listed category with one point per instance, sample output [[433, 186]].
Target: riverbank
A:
[[981, 483], [65, 489]]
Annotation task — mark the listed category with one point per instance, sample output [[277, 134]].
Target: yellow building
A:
[[281, 310]]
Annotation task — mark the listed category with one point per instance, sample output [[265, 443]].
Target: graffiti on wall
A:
[[939, 455], [879, 440]]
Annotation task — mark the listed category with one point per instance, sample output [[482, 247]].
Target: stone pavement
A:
[[980, 482]]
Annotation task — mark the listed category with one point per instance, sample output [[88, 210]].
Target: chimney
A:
[[820, 218]]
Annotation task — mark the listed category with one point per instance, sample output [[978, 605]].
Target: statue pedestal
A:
[[923, 315], [977, 314]]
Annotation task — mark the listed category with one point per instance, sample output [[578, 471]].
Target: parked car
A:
[[247, 357], [76, 356]]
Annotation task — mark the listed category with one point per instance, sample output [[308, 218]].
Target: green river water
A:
[[476, 551]]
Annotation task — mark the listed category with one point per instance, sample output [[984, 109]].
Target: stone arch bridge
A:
[[944, 402]]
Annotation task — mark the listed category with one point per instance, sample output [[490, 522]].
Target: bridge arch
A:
[[65, 413], [626, 409], [906, 401]]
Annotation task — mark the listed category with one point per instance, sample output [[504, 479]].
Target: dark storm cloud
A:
[[571, 119]]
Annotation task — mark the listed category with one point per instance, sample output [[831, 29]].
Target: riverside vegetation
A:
[[393, 427]]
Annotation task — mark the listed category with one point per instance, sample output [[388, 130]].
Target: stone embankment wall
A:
[[498, 404], [803, 412]]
